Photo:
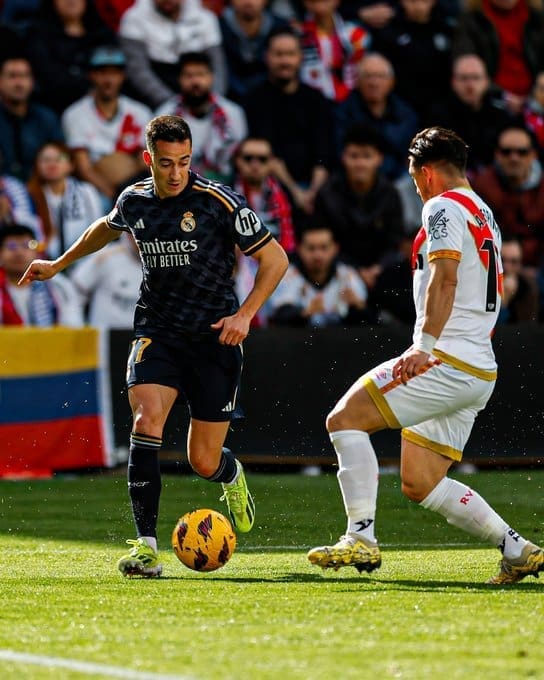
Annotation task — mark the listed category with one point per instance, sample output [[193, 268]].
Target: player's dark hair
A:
[[10, 230], [438, 145], [199, 58], [166, 129]]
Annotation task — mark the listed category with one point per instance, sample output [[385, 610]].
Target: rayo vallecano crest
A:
[[188, 222]]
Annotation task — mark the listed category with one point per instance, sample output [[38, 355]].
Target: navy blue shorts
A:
[[205, 373]]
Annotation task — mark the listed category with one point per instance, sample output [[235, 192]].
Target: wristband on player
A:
[[426, 343]]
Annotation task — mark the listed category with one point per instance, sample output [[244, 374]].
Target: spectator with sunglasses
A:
[[264, 194], [514, 188]]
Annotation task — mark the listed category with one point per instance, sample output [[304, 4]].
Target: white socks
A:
[[358, 479], [467, 510]]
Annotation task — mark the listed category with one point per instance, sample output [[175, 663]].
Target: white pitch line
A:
[[84, 666]]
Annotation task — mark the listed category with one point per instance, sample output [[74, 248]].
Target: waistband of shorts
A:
[[481, 373]]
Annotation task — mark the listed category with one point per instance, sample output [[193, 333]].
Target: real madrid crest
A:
[[188, 222]]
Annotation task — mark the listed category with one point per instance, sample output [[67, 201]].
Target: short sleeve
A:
[[116, 219], [249, 232], [444, 223]]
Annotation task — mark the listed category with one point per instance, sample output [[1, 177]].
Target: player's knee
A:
[[149, 423], [414, 489], [337, 420]]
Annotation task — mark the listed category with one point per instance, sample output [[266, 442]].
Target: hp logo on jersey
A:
[[247, 223]]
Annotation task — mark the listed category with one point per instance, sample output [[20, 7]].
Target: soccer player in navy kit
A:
[[188, 326]]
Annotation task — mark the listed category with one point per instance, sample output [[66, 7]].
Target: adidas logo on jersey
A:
[[139, 224], [229, 407]]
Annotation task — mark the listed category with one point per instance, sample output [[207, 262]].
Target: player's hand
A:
[[234, 329], [38, 270], [410, 364]]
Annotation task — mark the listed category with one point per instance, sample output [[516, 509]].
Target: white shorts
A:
[[435, 409]]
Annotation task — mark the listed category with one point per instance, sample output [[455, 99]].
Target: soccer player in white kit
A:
[[434, 391]]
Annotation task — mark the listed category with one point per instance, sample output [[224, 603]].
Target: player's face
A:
[[169, 165], [422, 180], [284, 58], [361, 163], [317, 250], [16, 253]]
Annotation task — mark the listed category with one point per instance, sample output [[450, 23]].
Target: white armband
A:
[[426, 343]]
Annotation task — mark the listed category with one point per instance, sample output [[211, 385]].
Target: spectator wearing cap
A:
[[24, 124], [105, 129], [155, 33], [217, 124], [60, 40]]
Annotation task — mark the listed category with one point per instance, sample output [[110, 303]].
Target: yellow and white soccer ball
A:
[[203, 540]]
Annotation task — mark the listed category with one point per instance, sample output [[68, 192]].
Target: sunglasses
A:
[[248, 157], [511, 150]]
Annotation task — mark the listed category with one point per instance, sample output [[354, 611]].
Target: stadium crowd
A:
[[305, 107]]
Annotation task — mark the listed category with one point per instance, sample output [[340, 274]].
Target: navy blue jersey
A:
[[187, 247]]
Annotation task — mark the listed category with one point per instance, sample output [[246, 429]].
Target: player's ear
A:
[[147, 157]]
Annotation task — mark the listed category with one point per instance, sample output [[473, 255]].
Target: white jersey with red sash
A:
[[459, 225]]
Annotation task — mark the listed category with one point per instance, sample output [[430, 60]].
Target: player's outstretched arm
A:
[[93, 238], [273, 264]]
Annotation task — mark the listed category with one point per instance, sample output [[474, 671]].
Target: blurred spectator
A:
[[475, 109], [361, 205], [373, 13], [154, 33], [24, 125], [514, 189], [296, 120], [520, 291], [60, 41], [391, 299], [254, 180], [66, 206], [417, 41], [533, 112], [217, 124], [509, 36], [374, 103], [317, 289], [16, 205], [38, 303], [245, 27], [106, 130], [331, 49], [111, 11], [109, 281]]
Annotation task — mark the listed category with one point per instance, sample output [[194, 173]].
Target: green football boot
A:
[[142, 560], [239, 502]]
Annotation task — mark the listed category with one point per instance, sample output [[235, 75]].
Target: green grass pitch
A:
[[268, 614]]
